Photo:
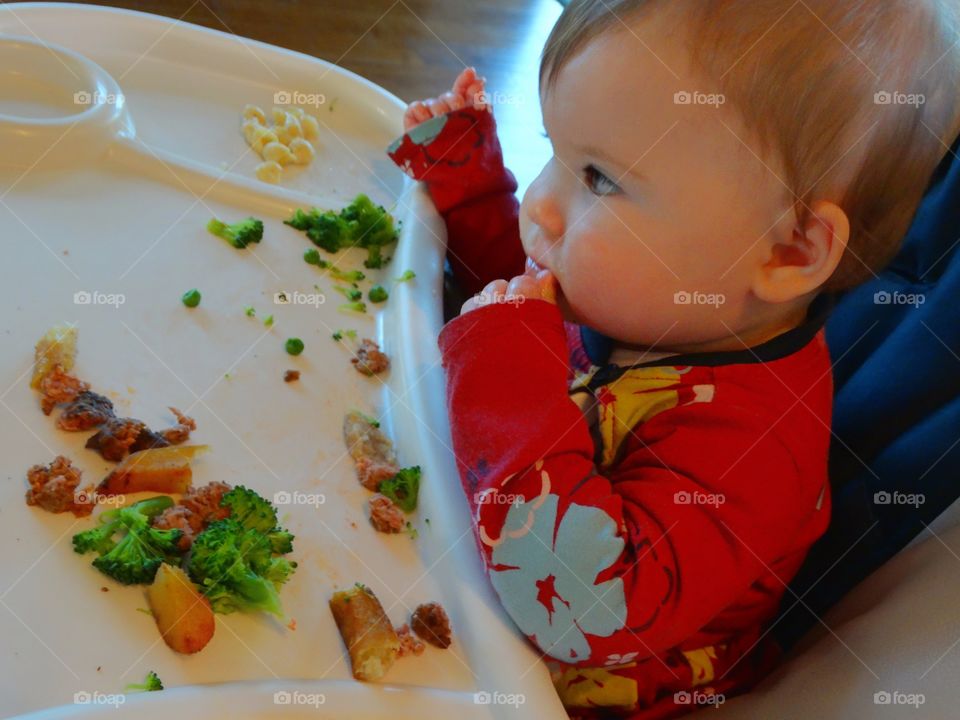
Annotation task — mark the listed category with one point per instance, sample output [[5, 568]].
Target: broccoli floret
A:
[[249, 509], [353, 276], [358, 307], [137, 555], [235, 560], [150, 684], [351, 293], [301, 220], [235, 567], [238, 234], [403, 488], [359, 224], [329, 232]]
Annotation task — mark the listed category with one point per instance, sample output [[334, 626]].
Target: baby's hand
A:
[[467, 92], [539, 286]]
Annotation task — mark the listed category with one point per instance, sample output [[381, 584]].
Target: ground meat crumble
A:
[[53, 487], [431, 623]]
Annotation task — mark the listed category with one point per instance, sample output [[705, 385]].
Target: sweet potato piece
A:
[[184, 616], [165, 470], [366, 631]]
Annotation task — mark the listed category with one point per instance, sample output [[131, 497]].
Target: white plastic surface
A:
[[112, 197]]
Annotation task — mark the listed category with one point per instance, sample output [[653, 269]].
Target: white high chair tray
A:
[[107, 194]]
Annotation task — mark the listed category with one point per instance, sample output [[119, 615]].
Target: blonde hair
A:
[[857, 98]]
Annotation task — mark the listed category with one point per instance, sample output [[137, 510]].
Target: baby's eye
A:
[[599, 183]]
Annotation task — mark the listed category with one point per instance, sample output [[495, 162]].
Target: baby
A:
[[640, 390]]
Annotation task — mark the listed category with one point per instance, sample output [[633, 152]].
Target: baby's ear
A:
[[804, 261]]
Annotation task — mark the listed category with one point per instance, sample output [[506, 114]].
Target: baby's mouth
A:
[[533, 267]]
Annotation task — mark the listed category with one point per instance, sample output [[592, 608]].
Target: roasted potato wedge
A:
[[184, 616], [165, 470], [366, 631]]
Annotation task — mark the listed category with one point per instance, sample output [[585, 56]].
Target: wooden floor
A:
[[413, 48]]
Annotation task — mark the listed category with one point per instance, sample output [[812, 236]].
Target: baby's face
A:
[[648, 202]]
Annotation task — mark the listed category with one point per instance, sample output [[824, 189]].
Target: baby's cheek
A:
[[597, 279]]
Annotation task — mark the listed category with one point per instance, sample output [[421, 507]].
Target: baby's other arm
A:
[[593, 564]]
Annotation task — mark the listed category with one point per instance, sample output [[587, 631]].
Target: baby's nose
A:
[[546, 215]]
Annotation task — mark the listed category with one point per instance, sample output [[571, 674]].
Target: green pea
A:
[[294, 346], [191, 298], [378, 294]]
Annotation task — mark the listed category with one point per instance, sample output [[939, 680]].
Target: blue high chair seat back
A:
[[895, 454]]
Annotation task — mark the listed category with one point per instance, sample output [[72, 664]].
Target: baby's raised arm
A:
[[450, 144]]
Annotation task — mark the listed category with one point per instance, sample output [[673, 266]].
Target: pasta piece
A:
[[269, 172], [252, 112], [371, 641], [278, 153], [302, 150], [292, 126], [311, 128], [250, 130], [261, 138], [283, 135]]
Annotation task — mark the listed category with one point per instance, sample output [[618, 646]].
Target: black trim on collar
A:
[[774, 349]]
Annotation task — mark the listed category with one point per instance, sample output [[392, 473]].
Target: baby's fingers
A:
[[464, 80], [415, 114]]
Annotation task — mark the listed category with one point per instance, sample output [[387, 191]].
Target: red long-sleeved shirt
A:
[[639, 520]]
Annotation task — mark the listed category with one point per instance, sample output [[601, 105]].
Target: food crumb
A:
[[104, 588], [292, 624], [385, 516], [291, 375], [410, 644], [370, 359]]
